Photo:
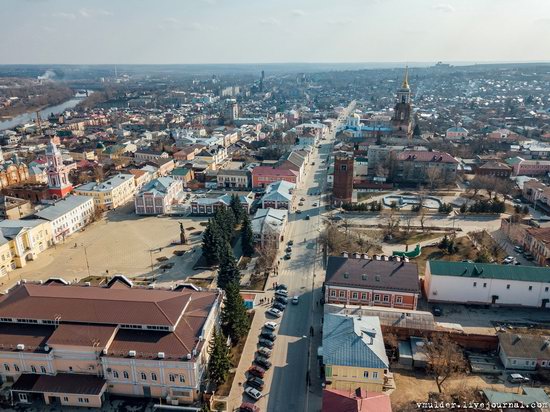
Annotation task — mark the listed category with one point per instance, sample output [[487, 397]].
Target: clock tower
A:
[[59, 185], [402, 113]]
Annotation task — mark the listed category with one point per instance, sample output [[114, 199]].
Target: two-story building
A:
[[522, 351], [278, 195], [377, 281], [68, 215], [421, 166], [26, 239], [262, 176], [233, 178], [353, 353], [537, 242], [69, 345], [268, 227], [208, 204], [157, 196]]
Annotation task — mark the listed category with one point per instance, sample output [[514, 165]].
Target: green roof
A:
[[180, 171], [489, 271]]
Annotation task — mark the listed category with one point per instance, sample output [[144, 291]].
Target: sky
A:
[[272, 31]]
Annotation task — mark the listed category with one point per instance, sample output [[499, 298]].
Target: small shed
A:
[[249, 300], [405, 354]]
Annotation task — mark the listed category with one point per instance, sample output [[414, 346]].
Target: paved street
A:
[[286, 381]]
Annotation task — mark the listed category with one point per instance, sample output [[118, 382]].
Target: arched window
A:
[[153, 376], [125, 374], [182, 379], [172, 377], [115, 374], [143, 376], [6, 367], [33, 369]]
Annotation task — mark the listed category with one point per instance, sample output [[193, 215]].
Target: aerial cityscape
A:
[[275, 206]]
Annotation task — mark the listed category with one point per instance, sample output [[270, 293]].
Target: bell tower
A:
[[59, 185], [402, 114]]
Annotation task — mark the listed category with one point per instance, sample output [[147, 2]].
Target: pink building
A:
[[263, 176], [524, 167], [69, 345]]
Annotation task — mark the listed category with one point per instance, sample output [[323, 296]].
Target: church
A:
[[399, 124]]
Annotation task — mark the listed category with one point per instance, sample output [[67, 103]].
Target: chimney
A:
[[365, 256], [397, 258], [345, 254], [357, 255], [406, 259], [385, 258], [377, 257]]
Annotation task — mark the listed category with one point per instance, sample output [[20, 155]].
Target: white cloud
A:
[[63, 15], [445, 8], [88, 13], [271, 21]]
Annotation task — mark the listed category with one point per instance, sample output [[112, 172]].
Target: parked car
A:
[[253, 393], [281, 286], [295, 300], [437, 311], [314, 205], [287, 256], [301, 204], [268, 335], [281, 292], [281, 299], [256, 371], [528, 256], [262, 362], [256, 382], [508, 260], [248, 407], [307, 217], [298, 211], [266, 343], [518, 249], [265, 352], [302, 199], [278, 305], [290, 242], [517, 378], [274, 312], [288, 249], [271, 325], [313, 163]]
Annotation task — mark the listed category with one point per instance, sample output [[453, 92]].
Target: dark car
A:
[[287, 256], [268, 335], [265, 352], [281, 286], [281, 291], [256, 371], [248, 407], [262, 362], [266, 343], [437, 311], [279, 306], [288, 249], [290, 242], [256, 382], [281, 299], [307, 217]]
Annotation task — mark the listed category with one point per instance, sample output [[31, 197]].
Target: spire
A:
[[405, 84]]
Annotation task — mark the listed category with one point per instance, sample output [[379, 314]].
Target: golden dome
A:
[[405, 84]]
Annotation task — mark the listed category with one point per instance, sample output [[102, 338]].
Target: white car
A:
[[271, 325], [274, 312], [253, 393], [508, 260]]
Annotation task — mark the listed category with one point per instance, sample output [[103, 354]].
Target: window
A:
[[375, 375], [546, 289], [115, 374], [172, 377], [125, 374], [366, 374], [355, 295], [65, 399], [530, 287], [143, 376], [485, 285], [475, 284], [363, 296], [377, 298], [333, 293], [43, 369], [507, 286], [182, 379], [513, 361], [153, 376], [33, 369], [6, 367], [343, 168], [16, 367], [386, 298], [399, 299], [342, 293]]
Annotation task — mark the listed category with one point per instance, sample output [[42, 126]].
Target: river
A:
[[44, 113]]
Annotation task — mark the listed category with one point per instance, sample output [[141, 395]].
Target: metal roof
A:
[[353, 341], [489, 271], [63, 207]]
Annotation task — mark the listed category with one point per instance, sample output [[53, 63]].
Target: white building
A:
[[456, 132], [157, 196], [112, 193], [268, 226], [486, 284], [68, 215]]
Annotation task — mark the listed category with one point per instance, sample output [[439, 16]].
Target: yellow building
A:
[[69, 345], [25, 239], [353, 353], [110, 194]]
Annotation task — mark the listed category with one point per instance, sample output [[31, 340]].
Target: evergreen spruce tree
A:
[[219, 363], [228, 271], [247, 237], [212, 240], [416, 131], [237, 208], [226, 221], [234, 317]]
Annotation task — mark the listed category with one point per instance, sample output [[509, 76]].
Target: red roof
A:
[[271, 171], [426, 156], [64, 383], [355, 401]]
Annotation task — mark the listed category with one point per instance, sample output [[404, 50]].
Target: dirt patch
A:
[[466, 250]]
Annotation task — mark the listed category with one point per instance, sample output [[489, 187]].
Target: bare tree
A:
[[445, 359], [422, 218], [434, 176]]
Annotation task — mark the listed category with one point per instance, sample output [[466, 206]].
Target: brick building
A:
[[343, 177]]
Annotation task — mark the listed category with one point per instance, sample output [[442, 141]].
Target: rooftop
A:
[[62, 207]]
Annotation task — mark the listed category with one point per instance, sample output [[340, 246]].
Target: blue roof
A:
[[353, 341]]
